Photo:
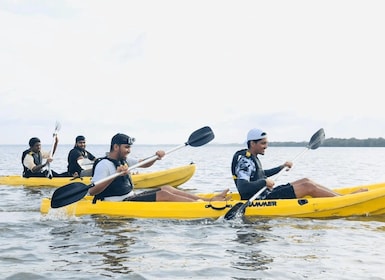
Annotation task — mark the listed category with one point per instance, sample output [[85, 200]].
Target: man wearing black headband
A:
[[121, 188], [79, 153], [32, 160]]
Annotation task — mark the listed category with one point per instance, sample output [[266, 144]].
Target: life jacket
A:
[[121, 185], [256, 174], [37, 159], [73, 166], [84, 153]]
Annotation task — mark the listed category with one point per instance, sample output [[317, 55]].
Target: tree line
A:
[[337, 142]]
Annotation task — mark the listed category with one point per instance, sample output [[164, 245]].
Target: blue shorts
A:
[[282, 192], [148, 196]]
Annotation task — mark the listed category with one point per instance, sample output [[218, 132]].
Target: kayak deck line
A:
[[174, 176]]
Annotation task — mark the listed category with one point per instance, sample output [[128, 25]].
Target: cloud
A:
[[158, 70]]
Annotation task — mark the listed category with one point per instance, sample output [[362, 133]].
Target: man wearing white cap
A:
[[250, 177]]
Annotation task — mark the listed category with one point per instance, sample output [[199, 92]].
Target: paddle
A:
[[240, 208], [73, 192], [85, 163], [57, 128]]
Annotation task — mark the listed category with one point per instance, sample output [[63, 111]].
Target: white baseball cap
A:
[[255, 134]]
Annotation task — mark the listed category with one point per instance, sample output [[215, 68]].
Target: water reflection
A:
[[253, 257], [114, 244], [111, 239]]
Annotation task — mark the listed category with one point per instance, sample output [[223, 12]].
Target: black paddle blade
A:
[[236, 211], [317, 139], [69, 194], [200, 137]]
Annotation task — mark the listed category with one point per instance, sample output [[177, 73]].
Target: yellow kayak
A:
[[368, 203], [173, 177]]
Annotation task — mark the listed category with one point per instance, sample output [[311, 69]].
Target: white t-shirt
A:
[[106, 168], [28, 160]]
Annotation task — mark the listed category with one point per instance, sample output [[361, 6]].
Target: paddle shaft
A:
[[315, 141], [57, 127], [139, 164], [50, 155], [255, 196], [298, 156]]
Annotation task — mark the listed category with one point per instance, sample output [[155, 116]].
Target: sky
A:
[[160, 70]]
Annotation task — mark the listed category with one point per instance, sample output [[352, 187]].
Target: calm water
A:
[[34, 246]]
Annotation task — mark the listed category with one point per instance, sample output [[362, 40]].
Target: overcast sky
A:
[[159, 70]]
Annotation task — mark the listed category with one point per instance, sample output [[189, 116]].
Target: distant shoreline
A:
[[333, 142], [329, 142]]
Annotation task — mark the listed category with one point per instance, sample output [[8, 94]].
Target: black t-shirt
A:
[[74, 154]]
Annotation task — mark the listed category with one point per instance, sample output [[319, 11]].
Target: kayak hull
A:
[[369, 203], [172, 176]]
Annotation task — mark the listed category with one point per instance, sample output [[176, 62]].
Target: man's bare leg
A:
[[192, 197]]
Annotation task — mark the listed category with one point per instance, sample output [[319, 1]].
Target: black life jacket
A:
[[73, 165], [121, 185], [96, 162], [37, 159], [256, 174]]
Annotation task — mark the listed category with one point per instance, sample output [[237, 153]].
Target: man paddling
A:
[[121, 188], [250, 177], [32, 160], [79, 152]]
